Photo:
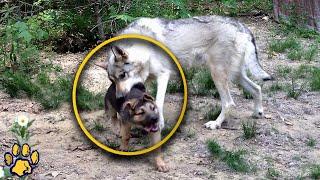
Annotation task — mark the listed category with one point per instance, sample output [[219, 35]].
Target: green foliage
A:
[[283, 71], [311, 52], [315, 79], [214, 148], [20, 129], [282, 45], [302, 78], [112, 144], [275, 87], [294, 49], [315, 172], [249, 129], [213, 113], [234, 7], [175, 86], [234, 159], [202, 83], [50, 93], [292, 90], [86, 100], [190, 133], [98, 127], [166, 130], [16, 83], [311, 142], [247, 94], [272, 173], [295, 54]]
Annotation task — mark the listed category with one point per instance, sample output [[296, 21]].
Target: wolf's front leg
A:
[[160, 164], [162, 83]]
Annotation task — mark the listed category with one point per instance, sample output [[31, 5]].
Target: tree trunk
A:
[[308, 9], [100, 24]]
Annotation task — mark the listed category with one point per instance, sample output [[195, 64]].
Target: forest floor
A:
[[281, 149]]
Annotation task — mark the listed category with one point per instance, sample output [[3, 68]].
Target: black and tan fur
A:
[[136, 108]]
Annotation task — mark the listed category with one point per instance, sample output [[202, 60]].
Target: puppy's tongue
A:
[[152, 128]]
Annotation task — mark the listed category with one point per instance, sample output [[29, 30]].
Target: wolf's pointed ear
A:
[[119, 53], [147, 97], [103, 65]]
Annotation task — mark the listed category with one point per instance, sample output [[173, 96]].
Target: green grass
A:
[[214, 148], [302, 78], [246, 94], [249, 129], [166, 130], [295, 54], [275, 87], [295, 51], [311, 142], [281, 46], [175, 86], [86, 100], [310, 53], [293, 91], [190, 133], [272, 173], [112, 145], [235, 8], [53, 94], [234, 159], [98, 127], [49, 93], [315, 172], [17, 83], [284, 71], [213, 113], [202, 83], [315, 80]]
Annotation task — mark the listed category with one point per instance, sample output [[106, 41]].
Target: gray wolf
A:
[[225, 45], [136, 108]]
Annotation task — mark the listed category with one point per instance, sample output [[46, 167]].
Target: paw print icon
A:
[[21, 160]]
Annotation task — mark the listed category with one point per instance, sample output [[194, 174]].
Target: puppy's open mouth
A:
[[151, 127]]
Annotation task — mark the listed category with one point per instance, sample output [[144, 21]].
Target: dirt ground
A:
[[66, 153]]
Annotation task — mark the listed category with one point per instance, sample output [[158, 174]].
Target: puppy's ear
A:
[[119, 53], [128, 109], [103, 65], [147, 97]]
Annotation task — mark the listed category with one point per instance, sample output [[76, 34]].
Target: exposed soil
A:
[[281, 141]]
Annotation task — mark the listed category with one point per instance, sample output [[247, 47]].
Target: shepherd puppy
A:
[[136, 108]]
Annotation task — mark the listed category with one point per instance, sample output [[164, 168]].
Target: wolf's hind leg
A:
[[255, 90], [221, 80]]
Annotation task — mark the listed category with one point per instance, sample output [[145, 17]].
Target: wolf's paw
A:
[[20, 160], [123, 148], [161, 165], [258, 114], [212, 125]]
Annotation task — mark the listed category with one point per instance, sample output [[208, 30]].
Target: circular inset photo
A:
[[129, 95]]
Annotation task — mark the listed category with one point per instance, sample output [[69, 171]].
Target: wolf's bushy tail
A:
[[253, 64]]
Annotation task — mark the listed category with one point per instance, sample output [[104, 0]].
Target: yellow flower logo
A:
[[20, 160]]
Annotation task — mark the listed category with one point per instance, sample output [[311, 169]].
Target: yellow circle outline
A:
[[76, 79]]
